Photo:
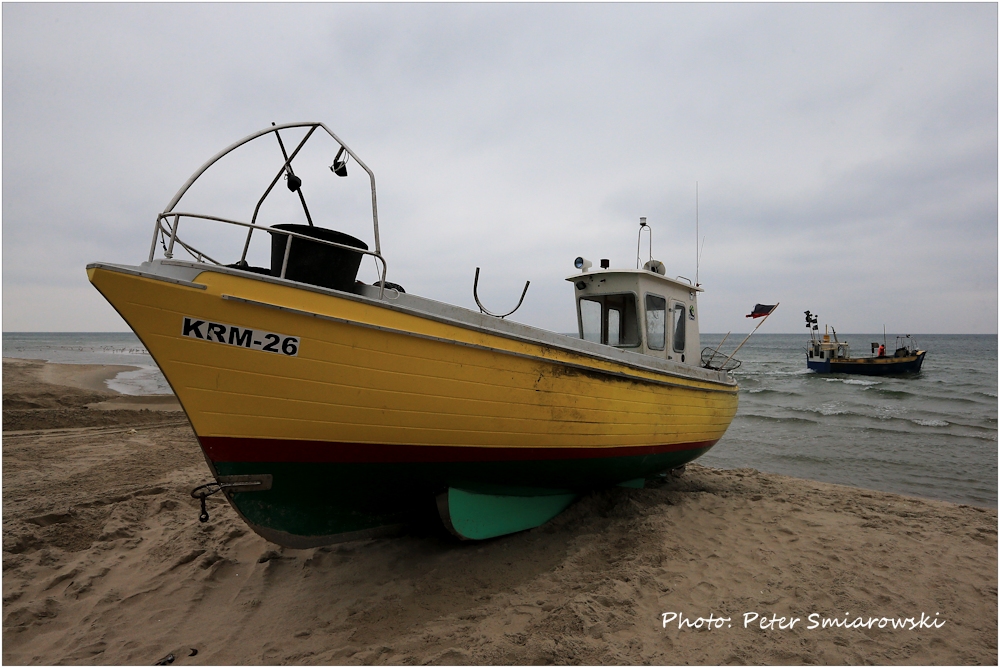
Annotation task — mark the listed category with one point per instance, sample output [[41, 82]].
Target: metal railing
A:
[[709, 356], [164, 227]]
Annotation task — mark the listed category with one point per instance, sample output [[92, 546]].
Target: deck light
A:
[[339, 166]]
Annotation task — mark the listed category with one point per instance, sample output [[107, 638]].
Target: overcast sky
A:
[[845, 155]]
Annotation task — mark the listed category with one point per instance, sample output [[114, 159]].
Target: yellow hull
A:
[[373, 375]]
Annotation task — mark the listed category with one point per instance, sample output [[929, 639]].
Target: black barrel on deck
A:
[[316, 263]]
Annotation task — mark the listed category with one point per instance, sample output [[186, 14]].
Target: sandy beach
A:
[[105, 562]]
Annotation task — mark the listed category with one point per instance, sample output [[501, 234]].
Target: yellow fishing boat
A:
[[329, 409]]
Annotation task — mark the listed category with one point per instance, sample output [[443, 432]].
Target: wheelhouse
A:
[[825, 349], [638, 309]]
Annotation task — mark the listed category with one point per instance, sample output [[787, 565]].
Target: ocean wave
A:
[[951, 435], [768, 390], [829, 409], [853, 381], [897, 426], [751, 374], [772, 418], [927, 397], [841, 411], [139, 382], [887, 392]]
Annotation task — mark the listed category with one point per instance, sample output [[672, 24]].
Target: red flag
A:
[[760, 310]]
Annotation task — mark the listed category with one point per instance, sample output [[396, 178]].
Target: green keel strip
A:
[[638, 483], [478, 516]]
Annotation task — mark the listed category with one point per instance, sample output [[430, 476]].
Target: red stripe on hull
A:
[[227, 449]]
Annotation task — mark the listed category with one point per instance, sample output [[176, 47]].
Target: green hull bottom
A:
[[316, 503]]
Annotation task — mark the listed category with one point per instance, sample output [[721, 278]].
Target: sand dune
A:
[[105, 562]]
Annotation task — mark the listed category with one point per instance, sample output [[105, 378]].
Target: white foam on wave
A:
[[853, 381], [832, 408], [930, 423], [143, 381]]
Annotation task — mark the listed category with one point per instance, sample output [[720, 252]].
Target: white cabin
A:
[[638, 309]]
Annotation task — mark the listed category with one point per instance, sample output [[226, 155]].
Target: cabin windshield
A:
[[610, 319]]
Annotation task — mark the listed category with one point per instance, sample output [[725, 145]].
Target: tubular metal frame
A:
[[163, 225]]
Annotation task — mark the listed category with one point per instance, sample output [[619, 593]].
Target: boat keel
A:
[[474, 516]]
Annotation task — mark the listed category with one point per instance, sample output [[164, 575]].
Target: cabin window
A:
[[656, 322], [590, 320], [610, 319], [680, 317]]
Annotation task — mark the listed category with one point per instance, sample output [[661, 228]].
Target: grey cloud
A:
[[514, 137]]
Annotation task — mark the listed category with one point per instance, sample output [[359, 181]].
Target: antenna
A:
[[638, 244], [697, 236]]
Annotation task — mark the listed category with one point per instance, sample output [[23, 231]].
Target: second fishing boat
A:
[[826, 355]]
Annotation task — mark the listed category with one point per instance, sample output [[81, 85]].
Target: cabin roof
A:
[[637, 273]]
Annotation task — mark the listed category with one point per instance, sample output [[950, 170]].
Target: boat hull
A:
[[870, 366], [359, 411], [312, 503]]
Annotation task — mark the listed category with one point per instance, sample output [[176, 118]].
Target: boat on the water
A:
[[329, 409], [826, 355]]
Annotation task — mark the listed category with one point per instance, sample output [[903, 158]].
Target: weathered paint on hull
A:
[[380, 405], [875, 366]]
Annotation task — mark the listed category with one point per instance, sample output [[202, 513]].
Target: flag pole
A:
[[750, 334]]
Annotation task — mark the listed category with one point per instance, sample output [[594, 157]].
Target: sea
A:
[[932, 434], [93, 348]]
